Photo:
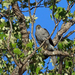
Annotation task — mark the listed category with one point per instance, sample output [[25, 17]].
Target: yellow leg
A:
[[44, 47]]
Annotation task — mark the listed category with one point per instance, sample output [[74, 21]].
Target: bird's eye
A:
[[38, 27]]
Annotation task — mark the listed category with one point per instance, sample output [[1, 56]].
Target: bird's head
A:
[[38, 27]]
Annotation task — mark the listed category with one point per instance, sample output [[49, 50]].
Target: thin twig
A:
[[32, 8], [53, 12], [8, 41], [3, 15], [69, 34], [72, 5], [32, 19], [35, 8], [69, 6], [29, 9], [0, 1], [68, 2], [62, 36]]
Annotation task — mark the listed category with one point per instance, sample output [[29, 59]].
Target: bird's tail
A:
[[50, 47], [53, 60]]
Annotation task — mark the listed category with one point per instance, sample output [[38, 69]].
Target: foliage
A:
[[18, 49], [67, 45], [16, 46]]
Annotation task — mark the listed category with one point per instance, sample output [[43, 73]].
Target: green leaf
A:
[[51, 7], [17, 51], [60, 45], [22, 55], [58, 58], [50, 73], [39, 50], [2, 35], [70, 63], [4, 52], [2, 20], [74, 42], [57, 16], [66, 64], [73, 73], [8, 55], [74, 18], [6, 4], [32, 4], [14, 45], [29, 52], [1, 70], [37, 70], [51, 16], [30, 45]]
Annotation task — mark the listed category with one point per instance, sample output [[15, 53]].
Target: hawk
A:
[[41, 34]]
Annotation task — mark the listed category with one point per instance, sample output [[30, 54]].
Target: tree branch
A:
[[69, 6], [68, 34], [53, 11], [22, 23], [63, 30], [3, 15], [32, 8], [60, 66], [32, 19], [0, 1], [56, 53], [48, 53]]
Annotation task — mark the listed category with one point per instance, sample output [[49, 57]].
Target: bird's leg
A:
[[45, 47]]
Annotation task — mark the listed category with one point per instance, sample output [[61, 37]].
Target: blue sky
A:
[[45, 21]]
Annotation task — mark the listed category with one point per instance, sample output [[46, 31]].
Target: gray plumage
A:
[[41, 34]]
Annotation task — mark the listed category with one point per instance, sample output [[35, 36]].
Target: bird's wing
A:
[[39, 41], [44, 33], [50, 40]]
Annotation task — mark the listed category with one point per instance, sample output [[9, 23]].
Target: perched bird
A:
[[41, 34]]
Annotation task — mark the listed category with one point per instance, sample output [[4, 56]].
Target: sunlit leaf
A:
[[6, 4], [30, 45], [60, 45], [1, 70], [17, 51], [37, 70], [22, 55]]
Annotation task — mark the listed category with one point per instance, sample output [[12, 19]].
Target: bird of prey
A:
[[41, 34]]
